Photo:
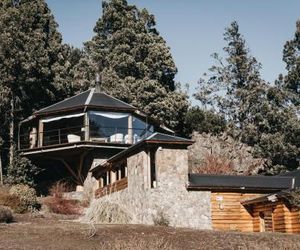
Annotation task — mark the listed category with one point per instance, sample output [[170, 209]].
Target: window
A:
[[153, 182]]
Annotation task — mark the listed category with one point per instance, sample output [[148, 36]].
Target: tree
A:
[[131, 55], [204, 121], [257, 113], [291, 56], [30, 52], [230, 81]]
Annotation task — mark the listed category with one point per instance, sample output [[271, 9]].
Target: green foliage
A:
[[291, 56], [135, 63], [31, 55], [258, 114], [21, 171], [204, 121]]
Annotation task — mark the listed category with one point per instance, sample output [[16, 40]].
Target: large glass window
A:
[[108, 127], [117, 127]]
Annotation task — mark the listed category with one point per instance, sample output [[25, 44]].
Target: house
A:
[[112, 150], [67, 138]]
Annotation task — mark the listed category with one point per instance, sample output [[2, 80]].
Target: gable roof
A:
[[156, 138], [89, 98]]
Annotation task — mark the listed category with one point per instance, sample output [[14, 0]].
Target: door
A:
[[266, 221]]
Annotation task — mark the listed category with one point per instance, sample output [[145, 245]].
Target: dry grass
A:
[[215, 164], [103, 211], [58, 189], [62, 206], [44, 233]]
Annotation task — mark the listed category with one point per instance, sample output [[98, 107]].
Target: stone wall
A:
[[169, 200]]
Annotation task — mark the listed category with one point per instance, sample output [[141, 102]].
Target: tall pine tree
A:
[[30, 52], [134, 61]]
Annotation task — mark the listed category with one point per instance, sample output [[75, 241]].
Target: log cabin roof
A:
[[90, 98], [257, 183]]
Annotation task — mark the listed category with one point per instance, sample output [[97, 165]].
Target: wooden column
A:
[[113, 176], [101, 182], [107, 177], [41, 133], [130, 132], [86, 127], [119, 174], [126, 171]]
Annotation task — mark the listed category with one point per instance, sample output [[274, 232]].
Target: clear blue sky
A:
[[194, 29]]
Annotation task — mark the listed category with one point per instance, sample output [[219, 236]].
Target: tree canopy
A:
[[135, 63]]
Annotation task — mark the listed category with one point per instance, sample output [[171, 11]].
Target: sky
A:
[[193, 29]]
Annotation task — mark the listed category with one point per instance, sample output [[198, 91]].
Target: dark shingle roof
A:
[[89, 98], [229, 182]]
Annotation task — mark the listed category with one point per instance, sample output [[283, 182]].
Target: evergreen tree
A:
[[258, 113], [291, 56], [132, 57], [30, 51]]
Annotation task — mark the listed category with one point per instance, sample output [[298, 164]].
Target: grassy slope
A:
[[49, 233]]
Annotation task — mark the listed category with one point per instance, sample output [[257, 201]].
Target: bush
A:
[[6, 215], [26, 195], [161, 220], [58, 189], [62, 206], [21, 171], [215, 164]]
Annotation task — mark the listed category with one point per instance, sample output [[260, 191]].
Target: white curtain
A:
[[110, 114], [61, 117]]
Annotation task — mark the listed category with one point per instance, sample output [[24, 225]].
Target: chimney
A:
[[98, 83]]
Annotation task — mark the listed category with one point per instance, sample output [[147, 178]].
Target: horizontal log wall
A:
[[111, 188], [284, 219], [229, 214]]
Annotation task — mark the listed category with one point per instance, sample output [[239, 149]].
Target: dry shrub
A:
[[103, 211], [27, 197], [58, 189], [11, 201], [63, 206], [215, 164], [6, 215]]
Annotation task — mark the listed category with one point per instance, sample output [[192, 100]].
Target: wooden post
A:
[[113, 176], [86, 127], [130, 132], [41, 133], [101, 182], [119, 174], [107, 178], [126, 171]]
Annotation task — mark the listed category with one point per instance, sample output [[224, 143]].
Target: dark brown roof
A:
[[89, 98]]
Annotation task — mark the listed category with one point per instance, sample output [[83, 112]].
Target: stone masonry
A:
[[169, 199]]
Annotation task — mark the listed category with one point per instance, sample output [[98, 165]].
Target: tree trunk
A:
[[11, 130], [1, 171]]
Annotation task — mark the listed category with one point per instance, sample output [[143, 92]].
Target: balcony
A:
[[93, 127]]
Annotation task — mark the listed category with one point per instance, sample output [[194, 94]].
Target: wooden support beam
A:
[[41, 133], [86, 127], [130, 127]]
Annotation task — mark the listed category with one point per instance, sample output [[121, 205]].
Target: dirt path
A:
[[49, 233]]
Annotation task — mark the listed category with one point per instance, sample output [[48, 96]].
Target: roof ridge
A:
[[89, 98], [40, 110]]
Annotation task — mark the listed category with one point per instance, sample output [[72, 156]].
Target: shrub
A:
[[62, 206], [26, 195], [161, 220], [215, 164], [6, 215], [58, 189], [21, 171]]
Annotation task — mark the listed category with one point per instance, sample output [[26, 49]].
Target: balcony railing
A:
[[81, 133]]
